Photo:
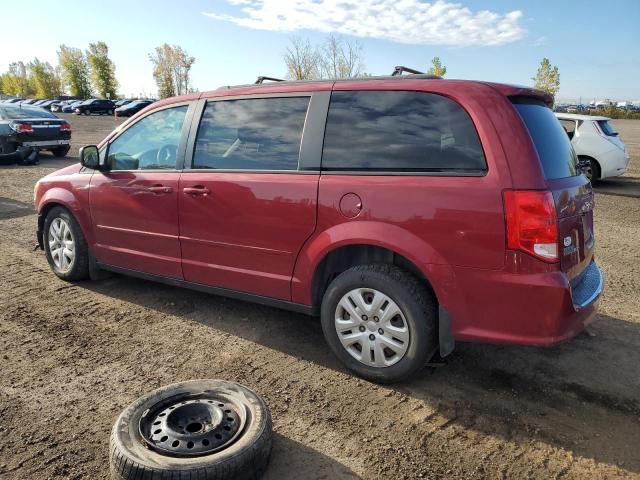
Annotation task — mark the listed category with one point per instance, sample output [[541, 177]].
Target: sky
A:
[[595, 44]]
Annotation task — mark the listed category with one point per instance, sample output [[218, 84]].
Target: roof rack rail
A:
[[399, 70], [261, 80]]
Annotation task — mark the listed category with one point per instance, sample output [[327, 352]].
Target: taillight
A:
[[65, 127], [532, 225], [22, 127]]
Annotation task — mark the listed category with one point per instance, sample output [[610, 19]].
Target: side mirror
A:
[[90, 157]]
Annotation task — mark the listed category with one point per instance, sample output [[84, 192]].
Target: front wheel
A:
[[65, 245], [380, 321]]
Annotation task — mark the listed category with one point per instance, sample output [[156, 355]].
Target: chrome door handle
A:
[[159, 189], [197, 191]]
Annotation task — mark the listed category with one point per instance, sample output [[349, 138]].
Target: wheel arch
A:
[[589, 157], [60, 197], [343, 257]]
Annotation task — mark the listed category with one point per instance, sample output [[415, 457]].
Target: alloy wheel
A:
[[61, 244]]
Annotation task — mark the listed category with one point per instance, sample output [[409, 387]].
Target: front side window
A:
[[149, 144], [400, 131], [251, 134]]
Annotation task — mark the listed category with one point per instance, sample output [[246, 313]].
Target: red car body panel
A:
[[266, 234], [246, 233], [135, 222]]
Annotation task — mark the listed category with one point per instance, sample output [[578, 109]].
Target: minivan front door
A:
[[134, 201], [246, 208]]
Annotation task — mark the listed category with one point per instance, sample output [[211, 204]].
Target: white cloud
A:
[[405, 21], [540, 41]]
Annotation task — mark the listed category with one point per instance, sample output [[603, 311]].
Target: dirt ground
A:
[[72, 356]]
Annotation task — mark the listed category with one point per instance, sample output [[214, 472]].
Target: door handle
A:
[[198, 190], [159, 189]]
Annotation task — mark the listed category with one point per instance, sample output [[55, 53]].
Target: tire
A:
[[418, 314], [109, 112], [246, 458], [60, 152], [77, 268], [591, 169]]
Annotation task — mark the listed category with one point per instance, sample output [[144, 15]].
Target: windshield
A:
[[11, 112], [551, 141]]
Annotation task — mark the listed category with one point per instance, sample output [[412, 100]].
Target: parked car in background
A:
[[122, 102], [60, 104], [47, 104], [600, 150], [30, 101], [13, 100], [71, 107], [132, 108], [25, 130], [406, 212], [95, 105]]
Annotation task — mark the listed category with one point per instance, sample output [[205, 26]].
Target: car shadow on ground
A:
[[292, 460], [626, 186], [565, 396]]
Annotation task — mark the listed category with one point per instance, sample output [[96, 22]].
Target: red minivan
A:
[[406, 211]]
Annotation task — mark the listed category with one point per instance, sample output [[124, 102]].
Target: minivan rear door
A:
[[572, 192], [248, 196]]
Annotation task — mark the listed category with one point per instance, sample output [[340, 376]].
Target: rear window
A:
[[606, 128], [395, 131], [551, 141], [9, 112]]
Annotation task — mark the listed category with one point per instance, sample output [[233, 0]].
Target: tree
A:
[[547, 78], [16, 81], [339, 58], [75, 71], [171, 66], [302, 60], [437, 68], [44, 79], [103, 71]]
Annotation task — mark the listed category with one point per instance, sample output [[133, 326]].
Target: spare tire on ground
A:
[[200, 429]]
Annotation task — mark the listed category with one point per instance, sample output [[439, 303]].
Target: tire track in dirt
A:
[[326, 410]]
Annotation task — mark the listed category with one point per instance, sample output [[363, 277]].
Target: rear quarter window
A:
[[396, 131], [549, 138]]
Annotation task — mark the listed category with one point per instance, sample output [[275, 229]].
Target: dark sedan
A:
[[71, 107], [132, 108], [95, 105], [25, 130]]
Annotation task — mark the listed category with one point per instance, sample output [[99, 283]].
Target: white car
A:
[[601, 152]]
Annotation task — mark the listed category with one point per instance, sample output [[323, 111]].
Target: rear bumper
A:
[[614, 163], [525, 309]]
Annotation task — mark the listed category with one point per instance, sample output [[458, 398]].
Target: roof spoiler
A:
[[541, 95]]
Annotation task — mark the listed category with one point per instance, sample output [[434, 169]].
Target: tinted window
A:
[[252, 134], [399, 131], [10, 112], [150, 143], [551, 141], [606, 128]]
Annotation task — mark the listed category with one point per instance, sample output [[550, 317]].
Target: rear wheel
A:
[[65, 245], [380, 321], [60, 151], [109, 112], [590, 169]]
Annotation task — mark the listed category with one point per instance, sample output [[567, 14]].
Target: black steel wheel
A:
[[209, 429]]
